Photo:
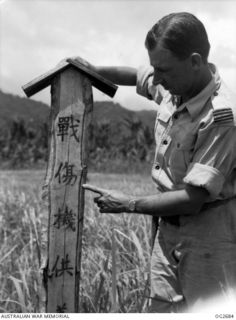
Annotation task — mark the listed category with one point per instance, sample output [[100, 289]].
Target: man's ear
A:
[[196, 60]]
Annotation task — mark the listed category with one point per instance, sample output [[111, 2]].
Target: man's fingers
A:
[[80, 60], [94, 189], [97, 199]]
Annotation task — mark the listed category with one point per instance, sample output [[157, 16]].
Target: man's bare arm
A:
[[120, 75], [179, 202], [125, 76]]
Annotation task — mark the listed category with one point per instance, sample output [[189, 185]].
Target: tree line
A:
[[127, 146]]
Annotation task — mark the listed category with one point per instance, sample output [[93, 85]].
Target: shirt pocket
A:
[[180, 155]]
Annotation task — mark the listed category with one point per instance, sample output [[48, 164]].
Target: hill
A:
[[120, 140], [13, 107]]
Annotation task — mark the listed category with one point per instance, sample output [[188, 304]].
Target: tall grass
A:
[[116, 249], [20, 248], [115, 255]]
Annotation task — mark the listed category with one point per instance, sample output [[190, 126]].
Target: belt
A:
[[217, 203], [174, 220]]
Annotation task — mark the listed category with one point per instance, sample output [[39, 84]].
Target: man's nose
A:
[[157, 79]]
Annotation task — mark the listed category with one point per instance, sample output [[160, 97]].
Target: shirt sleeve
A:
[[145, 86], [213, 160]]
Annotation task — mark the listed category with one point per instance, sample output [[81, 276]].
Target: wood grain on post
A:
[[70, 117], [72, 109]]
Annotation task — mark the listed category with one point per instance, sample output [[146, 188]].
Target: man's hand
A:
[[109, 201], [82, 61], [78, 59], [125, 76]]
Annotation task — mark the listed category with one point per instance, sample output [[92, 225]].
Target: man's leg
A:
[[166, 294], [207, 275], [207, 256]]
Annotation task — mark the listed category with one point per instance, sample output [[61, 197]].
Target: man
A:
[[194, 253]]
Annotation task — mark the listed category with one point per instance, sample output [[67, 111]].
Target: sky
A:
[[35, 35]]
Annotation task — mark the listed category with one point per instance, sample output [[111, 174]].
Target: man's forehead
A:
[[162, 57]]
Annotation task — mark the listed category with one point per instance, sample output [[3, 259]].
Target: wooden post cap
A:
[[45, 80]]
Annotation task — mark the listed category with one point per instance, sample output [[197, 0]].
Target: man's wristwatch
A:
[[132, 205]]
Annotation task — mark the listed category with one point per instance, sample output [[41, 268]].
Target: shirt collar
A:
[[197, 103]]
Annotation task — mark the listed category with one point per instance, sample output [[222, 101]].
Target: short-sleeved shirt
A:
[[196, 145], [196, 140]]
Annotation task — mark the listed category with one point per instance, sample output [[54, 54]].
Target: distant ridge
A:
[[13, 107]]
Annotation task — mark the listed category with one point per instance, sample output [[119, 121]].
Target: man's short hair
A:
[[181, 33]]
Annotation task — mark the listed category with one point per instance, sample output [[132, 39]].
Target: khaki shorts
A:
[[193, 262]]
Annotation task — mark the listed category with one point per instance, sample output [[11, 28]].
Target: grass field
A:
[[116, 248]]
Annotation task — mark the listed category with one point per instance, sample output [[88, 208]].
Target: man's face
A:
[[174, 75]]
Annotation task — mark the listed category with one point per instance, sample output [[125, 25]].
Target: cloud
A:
[[221, 33], [37, 34], [225, 56], [221, 28]]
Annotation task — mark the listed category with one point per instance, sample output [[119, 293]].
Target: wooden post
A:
[[71, 110]]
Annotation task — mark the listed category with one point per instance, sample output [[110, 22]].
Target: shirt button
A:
[[157, 166], [165, 142]]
